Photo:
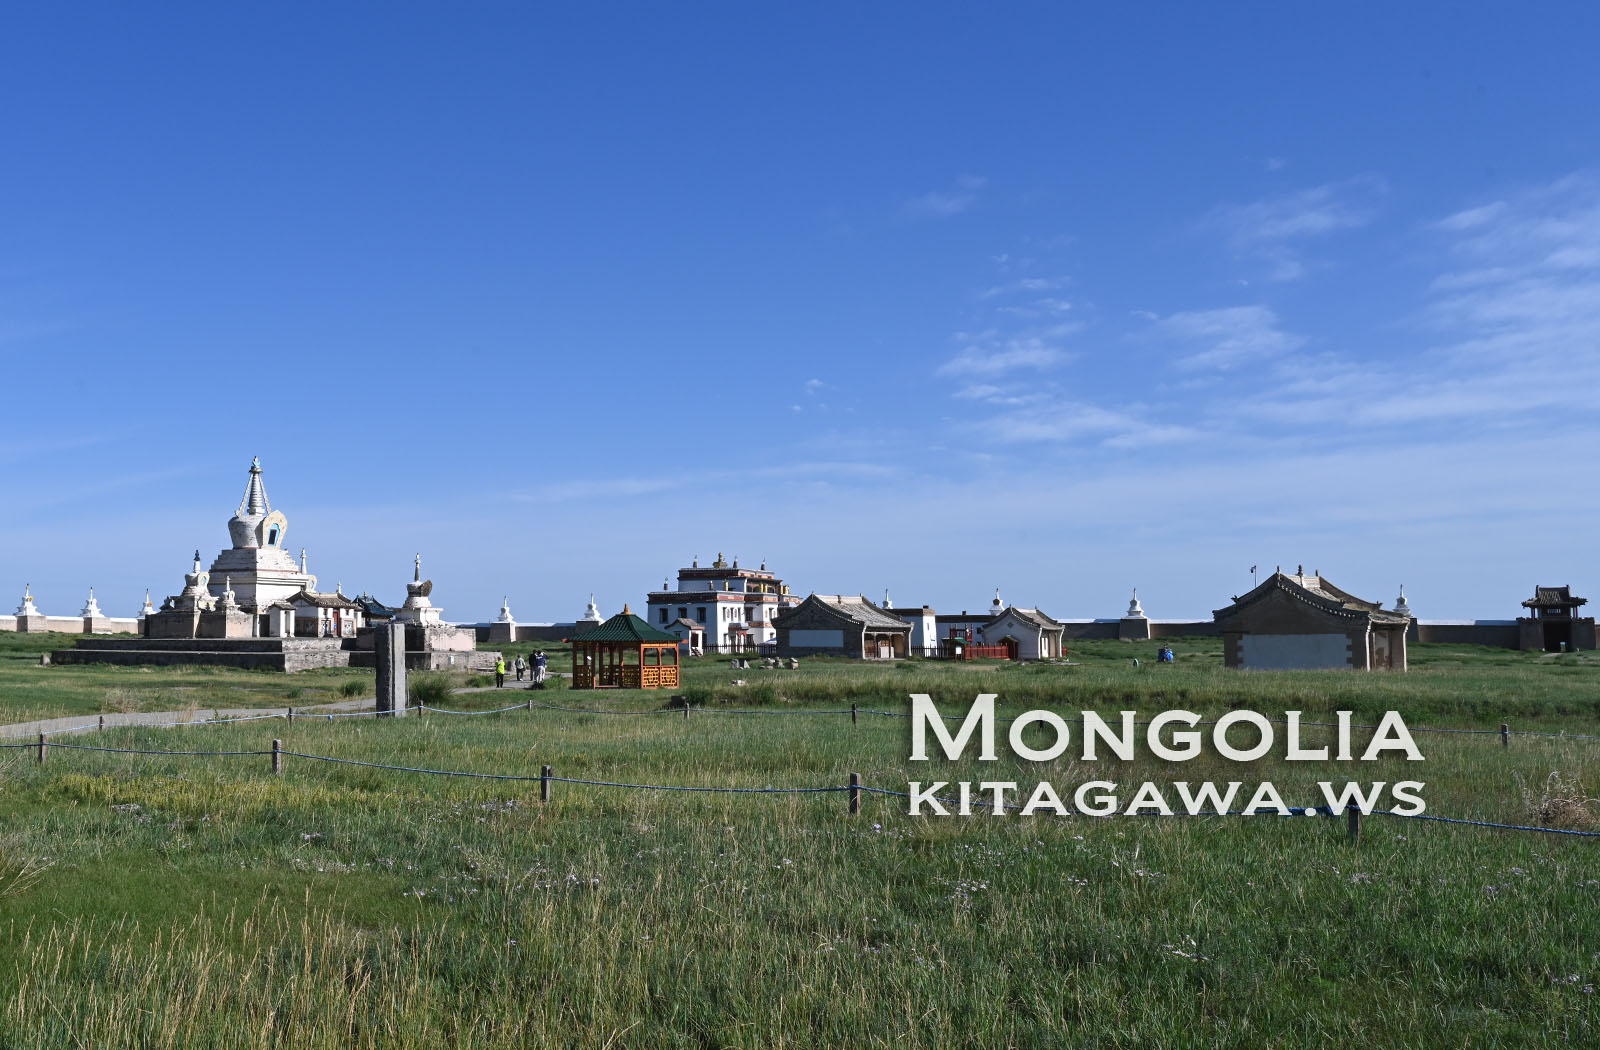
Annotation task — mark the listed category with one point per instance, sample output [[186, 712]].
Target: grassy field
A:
[[158, 901]]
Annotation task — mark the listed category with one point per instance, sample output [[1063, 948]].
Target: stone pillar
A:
[[389, 647]]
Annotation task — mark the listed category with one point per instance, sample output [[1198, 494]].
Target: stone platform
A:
[[272, 654]]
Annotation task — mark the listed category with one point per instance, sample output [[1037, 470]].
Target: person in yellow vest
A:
[[499, 672]]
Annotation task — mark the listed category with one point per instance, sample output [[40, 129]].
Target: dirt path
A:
[[49, 726]]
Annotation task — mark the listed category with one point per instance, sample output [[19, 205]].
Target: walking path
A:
[[140, 718]]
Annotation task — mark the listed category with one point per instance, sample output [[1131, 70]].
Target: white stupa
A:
[[1135, 610], [591, 615], [27, 607], [261, 570], [1401, 607], [91, 608], [505, 611], [417, 607]]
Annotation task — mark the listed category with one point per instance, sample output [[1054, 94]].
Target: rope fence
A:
[[854, 789], [1505, 732]]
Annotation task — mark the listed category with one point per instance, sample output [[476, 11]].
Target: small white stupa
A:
[[91, 608], [27, 607], [1401, 607], [417, 608], [591, 615], [998, 606], [887, 604], [505, 611], [148, 607], [1135, 610]]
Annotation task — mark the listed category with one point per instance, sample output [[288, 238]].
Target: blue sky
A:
[[936, 298]]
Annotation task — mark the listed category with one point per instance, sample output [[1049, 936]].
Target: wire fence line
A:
[[855, 789], [854, 711]]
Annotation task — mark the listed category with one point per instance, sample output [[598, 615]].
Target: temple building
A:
[[254, 588], [735, 607], [841, 625], [1303, 622], [257, 607], [1553, 624]]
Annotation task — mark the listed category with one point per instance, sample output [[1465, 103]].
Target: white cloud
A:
[[993, 356], [1270, 230], [1224, 338], [941, 204]]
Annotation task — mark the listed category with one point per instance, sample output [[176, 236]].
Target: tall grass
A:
[[205, 903]]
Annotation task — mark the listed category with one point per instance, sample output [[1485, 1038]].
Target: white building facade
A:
[[734, 606]]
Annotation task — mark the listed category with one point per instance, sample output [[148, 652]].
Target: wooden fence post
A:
[[290, 716], [277, 758], [1505, 735], [852, 714], [43, 747], [544, 784], [1354, 815], [686, 708], [855, 793], [102, 723]]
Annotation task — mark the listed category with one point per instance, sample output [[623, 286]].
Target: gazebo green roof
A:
[[626, 627]]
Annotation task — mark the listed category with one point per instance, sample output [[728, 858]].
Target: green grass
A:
[[202, 902]]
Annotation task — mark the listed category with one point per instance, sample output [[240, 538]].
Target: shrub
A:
[[120, 700], [353, 688], [432, 689], [1560, 803]]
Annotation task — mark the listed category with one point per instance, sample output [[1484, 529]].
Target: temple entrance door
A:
[[1011, 649], [1555, 635]]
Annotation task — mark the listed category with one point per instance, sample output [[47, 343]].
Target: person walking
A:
[[499, 672], [521, 666], [539, 662]]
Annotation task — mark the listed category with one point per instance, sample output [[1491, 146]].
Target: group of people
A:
[[534, 669]]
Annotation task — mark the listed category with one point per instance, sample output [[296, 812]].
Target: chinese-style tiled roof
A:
[[1549, 596], [862, 611], [626, 627], [323, 601], [1317, 593], [1032, 617]]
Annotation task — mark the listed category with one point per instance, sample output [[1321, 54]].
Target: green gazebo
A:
[[625, 653]]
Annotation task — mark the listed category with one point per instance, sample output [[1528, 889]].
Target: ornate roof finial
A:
[[302, 559], [197, 559], [625, 610], [416, 576], [255, 501]]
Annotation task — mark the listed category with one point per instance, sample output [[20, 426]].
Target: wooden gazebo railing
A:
[[625, 653]]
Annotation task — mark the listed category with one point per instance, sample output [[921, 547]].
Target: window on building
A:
[[683, 612], [700, 613], [663, 616]]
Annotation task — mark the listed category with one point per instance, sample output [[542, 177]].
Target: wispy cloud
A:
[[1048, 419], [1510, 327], [941, 204], [1224, 338], [990, 354], [1272, 230]]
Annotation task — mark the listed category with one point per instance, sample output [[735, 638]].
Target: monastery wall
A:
[[1498, 634]]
